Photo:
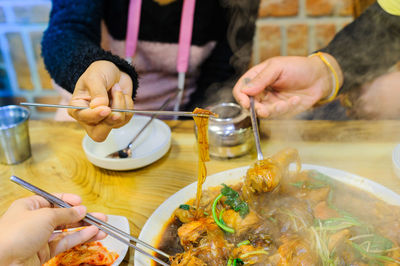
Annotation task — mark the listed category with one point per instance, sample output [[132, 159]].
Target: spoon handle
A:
[[255, 129], [152, 118]]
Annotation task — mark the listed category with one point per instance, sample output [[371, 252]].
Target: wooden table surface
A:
[[58, 163]]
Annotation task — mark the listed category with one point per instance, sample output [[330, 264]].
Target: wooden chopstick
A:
[[143, 112], [90, 219]]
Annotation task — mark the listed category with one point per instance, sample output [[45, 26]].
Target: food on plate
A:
[[92, 253], [282, 217]]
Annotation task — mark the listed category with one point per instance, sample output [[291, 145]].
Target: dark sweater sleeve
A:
[[231, 56], [367, 47], [72, 42]]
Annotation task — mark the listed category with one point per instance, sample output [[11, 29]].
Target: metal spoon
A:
[[255, 129], [127, 151]]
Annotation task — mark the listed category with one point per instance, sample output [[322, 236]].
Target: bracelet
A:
[[335, 79]]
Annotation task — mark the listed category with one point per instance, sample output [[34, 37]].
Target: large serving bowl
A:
[[155, 225]]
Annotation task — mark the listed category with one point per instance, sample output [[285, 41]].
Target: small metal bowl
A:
[[229, 134]]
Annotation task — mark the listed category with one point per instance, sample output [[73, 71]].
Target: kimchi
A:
[[92, 253]]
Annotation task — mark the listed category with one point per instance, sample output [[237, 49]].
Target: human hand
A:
[[27, 230], [102, 87], [378, 99], [286, 85]]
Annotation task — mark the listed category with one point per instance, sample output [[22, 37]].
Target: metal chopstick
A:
[[90, 219], [255, 129], [155, 112]]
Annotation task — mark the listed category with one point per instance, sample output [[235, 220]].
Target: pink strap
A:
[[185, 32], [132, 33], [185, 35]]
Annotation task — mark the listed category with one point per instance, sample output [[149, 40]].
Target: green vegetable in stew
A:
[[234, 201]]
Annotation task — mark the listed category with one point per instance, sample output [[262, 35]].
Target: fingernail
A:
[[104, 113], [125, 91], [278, 108], [296, 101], [116, 116], [117, 87], [81, 210]]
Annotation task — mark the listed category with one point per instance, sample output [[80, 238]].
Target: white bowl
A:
[[152, 144], [396, 160]]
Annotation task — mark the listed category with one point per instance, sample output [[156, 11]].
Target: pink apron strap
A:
[[185, 35], [132, 29], [185, 39]]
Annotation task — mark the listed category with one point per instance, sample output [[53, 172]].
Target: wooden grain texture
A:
[[58, 163]]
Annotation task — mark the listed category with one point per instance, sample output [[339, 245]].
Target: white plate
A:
[[151, 145], [114, 245], [155, 224]]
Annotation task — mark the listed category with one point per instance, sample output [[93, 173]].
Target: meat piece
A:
[[296, 251], [266, 174], [208, 196], [206, 240], [317, 195], [241, 225], [243, 249], [323, 211], [185, 216], [186, 259], [191, 233], [338, 238]]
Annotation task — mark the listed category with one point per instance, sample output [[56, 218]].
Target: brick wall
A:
[[285, 27], [298, 27]]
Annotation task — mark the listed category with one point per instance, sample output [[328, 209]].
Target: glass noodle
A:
[[203, 150]]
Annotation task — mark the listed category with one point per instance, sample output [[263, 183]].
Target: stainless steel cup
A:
[[230, 134], [14, 134]]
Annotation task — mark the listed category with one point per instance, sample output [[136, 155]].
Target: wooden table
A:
[[58, 163]]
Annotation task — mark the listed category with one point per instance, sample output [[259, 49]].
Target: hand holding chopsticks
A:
[[105, 227]]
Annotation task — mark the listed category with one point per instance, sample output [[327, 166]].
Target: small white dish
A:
[[396, 160], [114, 245], [151, 145]]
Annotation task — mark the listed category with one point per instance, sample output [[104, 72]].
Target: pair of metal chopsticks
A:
[[156, 112], [90, 219]]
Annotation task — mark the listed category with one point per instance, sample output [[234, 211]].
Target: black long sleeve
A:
[[367, 47], [72, 42]]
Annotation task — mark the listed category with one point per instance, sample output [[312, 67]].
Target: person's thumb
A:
[[63, 216], [98, 93]]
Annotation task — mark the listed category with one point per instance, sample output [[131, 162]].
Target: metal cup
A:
[[14, 134], [229, 134]]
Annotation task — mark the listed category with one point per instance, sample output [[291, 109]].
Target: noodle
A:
[[203, 150]]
